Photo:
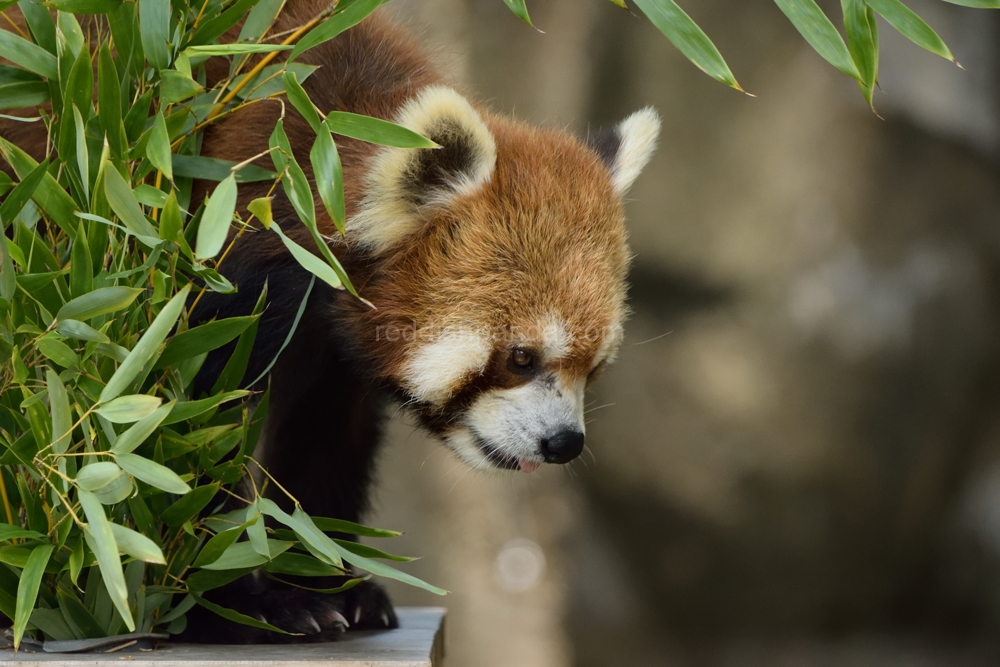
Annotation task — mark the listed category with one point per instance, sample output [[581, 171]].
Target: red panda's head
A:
[[499, 274]]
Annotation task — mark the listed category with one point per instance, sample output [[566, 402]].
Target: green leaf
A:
[[318, 543], [158, 148], [152, 473], [206, 580], [300, 100], [62, 418], [79, 330], [351, 528], [115, 491], [261, 208], [911, 26], [302, 566], [177, 86], [27, 588], [221, 542], [237, 617], [58, 352], [862, 42], [82, 153], [85, 6], [75, 611], [154, 30], [109, 102], [21, 194], [383, 570], [29, 56], [128, 409], [813, 24], [354, 13], [261, 18], [689, 39], [216, 219], [201, 339], [309, 261], [980, 4], [123, 203], [50, 196], [137, 545], [9, 532], [94, 476], [154, 198], [242, 554], [23, 94], [99, 302], [101, 541], [147, 346], [189, 505], [329, 176], [520, 10], [372, 552], [213, 169], [233, 49], [188, 409], [142, 429], [375, 131]]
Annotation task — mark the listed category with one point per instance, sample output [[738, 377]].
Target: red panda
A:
[[497, 267]]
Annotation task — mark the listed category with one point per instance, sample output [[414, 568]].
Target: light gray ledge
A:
[[419, 642]]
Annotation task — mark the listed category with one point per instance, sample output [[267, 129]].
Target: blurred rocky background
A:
[[796, 459]]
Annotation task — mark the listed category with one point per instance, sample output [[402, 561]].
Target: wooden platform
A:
[[419, 642]]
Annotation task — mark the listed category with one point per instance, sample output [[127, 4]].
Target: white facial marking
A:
[[638, 134], [514, 421], [437, 368], [556, 339], [609, 346]]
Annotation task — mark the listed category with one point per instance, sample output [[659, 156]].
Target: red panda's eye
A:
[[522, 359]]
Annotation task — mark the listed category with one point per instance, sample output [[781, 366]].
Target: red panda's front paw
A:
[[368, 607]]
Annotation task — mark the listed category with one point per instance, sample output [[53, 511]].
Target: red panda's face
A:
[[501, 273]]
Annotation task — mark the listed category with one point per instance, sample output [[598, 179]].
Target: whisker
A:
[[606, 405], [653, 338]]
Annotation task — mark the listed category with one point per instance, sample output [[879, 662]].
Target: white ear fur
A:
[[637, 136], [402, 180]]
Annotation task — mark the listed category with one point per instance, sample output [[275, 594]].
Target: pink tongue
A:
[[528, 466]]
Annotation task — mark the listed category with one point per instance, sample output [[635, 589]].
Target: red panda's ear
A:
[[403, 181], [627, 148]]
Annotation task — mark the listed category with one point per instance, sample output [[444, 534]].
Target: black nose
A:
[[562, 447]]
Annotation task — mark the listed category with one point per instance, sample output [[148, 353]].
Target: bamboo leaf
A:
[[689, 39], [329, 176], [158, 148], [911, 26], [242, 554], [124, 204], [309, 261], [189, 505], [213, 169], [79, 330], [9, 532], [101, 541], [29, 56], [62, 419], [109, 102], [142, 429], [354, 13], [99, 302], [137, 545], [177, 86], [375, 131], [154, 30], [152, 473], [216, 219], [147, 346], [300, 100], [201, 339], [520, 10], [233, 49], [49, 195], [188, 409], [94, 476], [817, 29], [128, 409], [27, 588], [237, 617], [85, 6]]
